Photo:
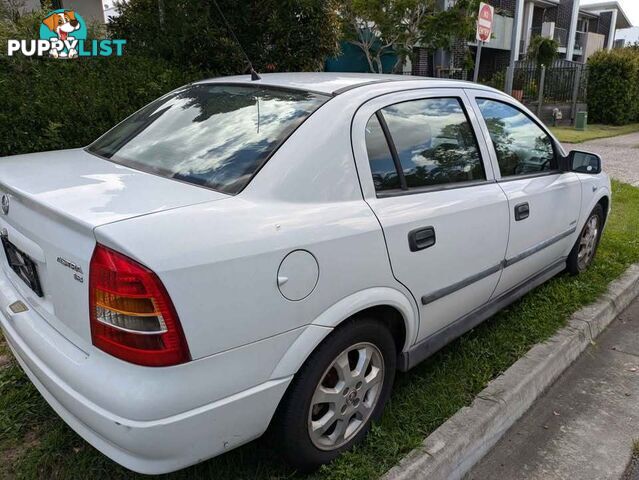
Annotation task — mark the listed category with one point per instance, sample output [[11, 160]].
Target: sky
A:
[[631, 7]]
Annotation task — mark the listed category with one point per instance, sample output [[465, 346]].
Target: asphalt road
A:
[[620, 156]]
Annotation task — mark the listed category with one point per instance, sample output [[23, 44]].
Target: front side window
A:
[[522, 147], [433, 141], [212, 135]]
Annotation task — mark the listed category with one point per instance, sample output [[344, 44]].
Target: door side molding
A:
[[431, 297], [537, 248], [437, 294], [427, 347]]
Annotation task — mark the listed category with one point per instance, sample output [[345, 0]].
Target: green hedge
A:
[[50, 104], [613, 87], [278, 35]]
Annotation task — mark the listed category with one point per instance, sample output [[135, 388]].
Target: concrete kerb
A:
[[459, 443]]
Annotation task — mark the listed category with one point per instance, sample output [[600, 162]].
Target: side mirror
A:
[[582, 162]]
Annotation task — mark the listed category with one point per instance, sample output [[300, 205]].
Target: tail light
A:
[[132, 316]]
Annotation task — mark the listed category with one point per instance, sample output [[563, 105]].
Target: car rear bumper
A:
[[150, 446]]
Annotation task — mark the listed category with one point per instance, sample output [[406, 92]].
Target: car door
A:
[[429, 182], [544, 203]]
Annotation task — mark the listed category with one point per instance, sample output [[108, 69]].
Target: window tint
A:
[[213, 135], [434, 142], [379, 156], [521, 145]]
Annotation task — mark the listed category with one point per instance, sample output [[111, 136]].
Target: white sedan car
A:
[[242, 255]]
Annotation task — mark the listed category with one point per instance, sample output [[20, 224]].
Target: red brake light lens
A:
[[132, 315]]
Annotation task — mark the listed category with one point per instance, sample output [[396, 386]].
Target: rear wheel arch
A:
[[392, 309], [291, 424], [390, 317]]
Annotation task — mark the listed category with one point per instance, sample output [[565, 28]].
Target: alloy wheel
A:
[[588, 242], [346, 396]]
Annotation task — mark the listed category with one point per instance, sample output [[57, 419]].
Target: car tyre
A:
[[585, 248], [334, 398]]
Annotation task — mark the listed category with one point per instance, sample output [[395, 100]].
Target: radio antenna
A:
[[254, 75]]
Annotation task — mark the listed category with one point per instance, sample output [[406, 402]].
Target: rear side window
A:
[[522, 147], [212, 135], [433, 141], [380, 158]]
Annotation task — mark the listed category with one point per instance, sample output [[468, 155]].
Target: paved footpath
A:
[[584, 426], [620, 155]]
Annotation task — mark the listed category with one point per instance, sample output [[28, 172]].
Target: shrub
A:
[[543, 51], [52, 104], [497, 80], [278, 35], [613, 87]]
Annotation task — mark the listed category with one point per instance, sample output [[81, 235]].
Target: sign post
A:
[[484, 31]]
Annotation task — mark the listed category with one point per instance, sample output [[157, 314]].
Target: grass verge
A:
[[570, 135], [35, 443], [632, 470]]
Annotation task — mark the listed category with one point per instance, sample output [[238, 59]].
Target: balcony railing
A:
[[561, 36], [503, 7]]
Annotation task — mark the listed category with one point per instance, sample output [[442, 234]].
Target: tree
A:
[[369, 26], [10, 10], [277, 35], [15, 25], [543, 50], [457, 23], [382, 27]]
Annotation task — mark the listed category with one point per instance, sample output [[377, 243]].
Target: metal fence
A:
[[562, 85], [563, 82], [454, 73]]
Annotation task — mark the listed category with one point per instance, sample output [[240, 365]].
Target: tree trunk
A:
[[367, 53], [378, 62], [161, 13], [399, 63], [363, 44], [369, 59]]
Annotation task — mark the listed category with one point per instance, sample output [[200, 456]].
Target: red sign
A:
[[485, 22]]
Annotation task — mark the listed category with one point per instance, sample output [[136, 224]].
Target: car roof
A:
[[333, 83]]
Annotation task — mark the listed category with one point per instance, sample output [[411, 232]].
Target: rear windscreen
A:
[[212, 135]]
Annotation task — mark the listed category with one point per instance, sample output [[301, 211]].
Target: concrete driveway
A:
[[620, 155]]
